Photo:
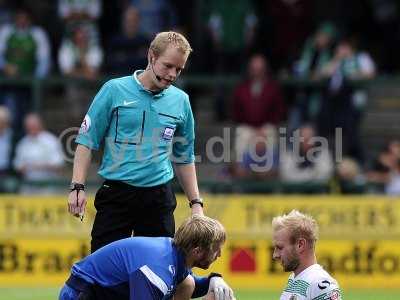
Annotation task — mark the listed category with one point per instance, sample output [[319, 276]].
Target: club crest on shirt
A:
[[333, 295], [293, 297], [85, 126], [168, 133]]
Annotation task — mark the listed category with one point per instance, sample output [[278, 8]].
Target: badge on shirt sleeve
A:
[[168, 133], [85, 126], [333, 295]]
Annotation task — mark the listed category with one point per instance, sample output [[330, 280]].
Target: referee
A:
[[145, 124]]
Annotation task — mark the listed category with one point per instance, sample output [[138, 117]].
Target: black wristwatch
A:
[[76, 187], [196, 201]]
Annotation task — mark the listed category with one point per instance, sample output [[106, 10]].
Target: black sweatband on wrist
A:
[[76, 187], [214, 275], [196, 201]]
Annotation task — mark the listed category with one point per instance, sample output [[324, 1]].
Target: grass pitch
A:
[[52, 294]]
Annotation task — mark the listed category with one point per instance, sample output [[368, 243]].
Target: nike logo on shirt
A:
[[129, 102]]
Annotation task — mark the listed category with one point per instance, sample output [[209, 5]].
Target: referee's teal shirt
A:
[[142, 132]]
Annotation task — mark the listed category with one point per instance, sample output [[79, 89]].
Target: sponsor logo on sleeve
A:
[[324, 284]]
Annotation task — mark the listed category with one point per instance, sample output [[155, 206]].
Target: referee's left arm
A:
[[186, 174], [184, 159]]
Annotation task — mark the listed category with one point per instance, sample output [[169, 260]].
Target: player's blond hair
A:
[[166, 38], [299, 225], [199, 231]]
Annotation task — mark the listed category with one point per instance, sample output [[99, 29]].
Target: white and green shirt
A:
[[314, 283]]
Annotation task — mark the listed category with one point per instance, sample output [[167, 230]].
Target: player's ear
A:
[[301, 244], [151, 57], [196, 250]]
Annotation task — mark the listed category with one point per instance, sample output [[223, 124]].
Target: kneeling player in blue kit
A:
[[150, 268]]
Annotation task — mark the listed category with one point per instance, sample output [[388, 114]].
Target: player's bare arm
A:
[[77, 197], [186, 174], [185, 289]]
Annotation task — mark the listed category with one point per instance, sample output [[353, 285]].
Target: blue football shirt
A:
[[133, 266]]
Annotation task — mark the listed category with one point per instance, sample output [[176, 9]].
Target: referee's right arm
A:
[[77, 198], [91, 134]]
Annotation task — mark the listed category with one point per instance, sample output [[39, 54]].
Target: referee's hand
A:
[[77, 203], [197, 209]]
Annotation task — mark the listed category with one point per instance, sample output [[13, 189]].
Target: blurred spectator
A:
[[24, 48], [342, 104], [80, 13], [316, 54], [6, 141], [39, 155], [229, 37], [24, 51], [349, 62], [350, 177], [156, 16], [8, 180], [128, 49], [385, 164], [348, 169], [261, 158], [231, 30], [81, 58], [385, 172], [392, 187], [257, 102], [309, 161], [394, 148]]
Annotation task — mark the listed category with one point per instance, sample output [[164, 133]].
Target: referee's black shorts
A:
[[123, 209]]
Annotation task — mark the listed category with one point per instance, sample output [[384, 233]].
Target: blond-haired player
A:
[[148, 268], [294, 238]]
